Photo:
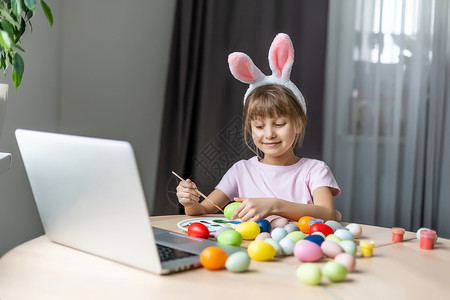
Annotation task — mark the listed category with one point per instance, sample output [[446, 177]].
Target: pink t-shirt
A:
[[295, 183]]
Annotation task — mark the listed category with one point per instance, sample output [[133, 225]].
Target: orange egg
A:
[[303, 223], [213, 258]]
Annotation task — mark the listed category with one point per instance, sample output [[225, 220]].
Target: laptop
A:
[[89, 196]]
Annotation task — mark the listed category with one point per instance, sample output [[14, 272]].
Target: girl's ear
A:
[[243, 68], [281, 56]]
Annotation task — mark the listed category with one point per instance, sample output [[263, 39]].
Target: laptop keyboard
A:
[[167, 253]]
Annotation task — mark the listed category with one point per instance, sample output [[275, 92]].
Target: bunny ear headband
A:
[[281, 58]]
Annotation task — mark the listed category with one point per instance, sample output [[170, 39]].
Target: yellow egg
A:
[[261, 251], [248, 230]]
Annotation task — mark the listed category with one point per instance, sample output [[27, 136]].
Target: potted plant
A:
[[15, 16]]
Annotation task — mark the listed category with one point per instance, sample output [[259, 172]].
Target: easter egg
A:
[[321, 227], [309, 273], [291, 227], [262, 236], [303, 224], [331, 249], [295, 236], [238, 262], [334, 238], [213, 258], [230, 237], [355, 229], [287, 246], [314, 221], [348, 246], [333, 224], [318, 233], [248, 230], [275, 245], [307, 251], [279, 222], [315, 238], [230, 208], [278, 233], [261, 251], [264, 225], [199, 230], [220, 230], [347, 260], [344, 234], [335, 271]]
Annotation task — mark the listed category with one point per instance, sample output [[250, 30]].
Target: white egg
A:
[[287, 246], [355, 229], [278, 234]]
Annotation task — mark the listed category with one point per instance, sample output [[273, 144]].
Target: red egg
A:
[[321, 227], [199, 230]]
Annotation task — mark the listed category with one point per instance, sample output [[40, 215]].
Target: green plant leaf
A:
[[47, 12], [16, 6], [7, 16], [6, 26], [30, 4], [5, 41], [18, 68]]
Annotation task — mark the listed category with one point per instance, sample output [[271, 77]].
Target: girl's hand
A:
[[253, 209], [186, 194]]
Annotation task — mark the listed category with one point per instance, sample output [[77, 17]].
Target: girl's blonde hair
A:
[[273, 101]]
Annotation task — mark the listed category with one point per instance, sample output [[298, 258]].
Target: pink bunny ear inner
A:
[[243, 68], [281, 56]]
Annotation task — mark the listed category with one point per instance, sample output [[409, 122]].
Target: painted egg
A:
[[291, 227], [320, 227], [331, 249], [199, 230], [230, 208], [248, 230], [278, 234], [262, 236], [303, 224], [287, 246], [315, 238], [279, 222], [335, 271], [230, 237], [347, 260], [307, 251], [348, 246], [319, 233], [314, 221], [309, 273], [344, 234], [261, 251], [220, 230], [264, 225], [275, 245], [333, 224], [213, 258], [295, 236], [334, 238], [238, 262], [355, 229]]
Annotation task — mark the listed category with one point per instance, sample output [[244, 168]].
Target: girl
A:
[[275, 181]]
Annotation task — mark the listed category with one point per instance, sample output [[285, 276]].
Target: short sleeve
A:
[[321, 175], [229, 183]]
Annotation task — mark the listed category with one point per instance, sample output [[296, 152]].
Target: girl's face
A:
[[274, 137]]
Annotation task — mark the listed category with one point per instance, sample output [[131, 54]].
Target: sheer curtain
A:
[[387, 126]]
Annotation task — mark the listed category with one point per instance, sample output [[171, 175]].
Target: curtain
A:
[[202, 128], [387, 114]]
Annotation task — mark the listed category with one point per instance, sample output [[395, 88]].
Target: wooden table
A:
[[40, 269]]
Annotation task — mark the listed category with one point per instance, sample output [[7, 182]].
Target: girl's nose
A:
[[270, 132]]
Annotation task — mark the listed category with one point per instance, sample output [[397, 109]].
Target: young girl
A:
[[275, 182]]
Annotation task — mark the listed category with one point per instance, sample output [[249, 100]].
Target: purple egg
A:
[[307, 251]]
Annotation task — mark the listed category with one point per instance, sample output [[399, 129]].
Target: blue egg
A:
[[344, 234], [264, 225], [318, 239]]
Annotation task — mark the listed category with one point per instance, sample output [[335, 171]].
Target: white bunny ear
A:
[[281, 56], [243, 68]]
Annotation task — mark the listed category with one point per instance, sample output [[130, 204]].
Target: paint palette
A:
[[212, 223]]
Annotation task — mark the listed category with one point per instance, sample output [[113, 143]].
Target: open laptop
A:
[[89, 196]]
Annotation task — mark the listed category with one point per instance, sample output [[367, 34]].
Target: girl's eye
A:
[[258, 126], [280, 124]]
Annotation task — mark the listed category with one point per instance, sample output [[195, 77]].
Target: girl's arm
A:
[[257, 208]]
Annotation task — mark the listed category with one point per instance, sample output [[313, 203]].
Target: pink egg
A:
[[262, 236], [278, 222], [306, 251], [331, 248], [347, 260]]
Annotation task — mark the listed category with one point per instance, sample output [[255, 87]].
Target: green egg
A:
[[334, 238], [348, 246], [229, 209], [295, 236], [230, 237], [309, 273], [238, 262], [335, 271]]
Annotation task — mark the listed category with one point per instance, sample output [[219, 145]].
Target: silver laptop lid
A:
[[89, 196]]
